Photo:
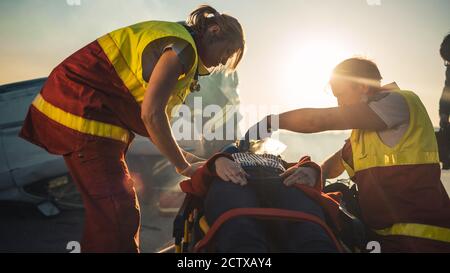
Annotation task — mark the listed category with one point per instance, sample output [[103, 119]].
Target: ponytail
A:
[[231, 30], [200, 19]]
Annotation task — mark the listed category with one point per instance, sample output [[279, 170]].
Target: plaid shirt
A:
[[254, 160]]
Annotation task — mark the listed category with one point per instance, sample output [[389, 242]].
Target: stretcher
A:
[[192, 232]]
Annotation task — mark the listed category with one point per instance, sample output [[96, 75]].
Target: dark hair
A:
[[359, 70], [445, 48], [204, 16]]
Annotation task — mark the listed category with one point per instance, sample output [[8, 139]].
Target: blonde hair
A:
[[231, 30]]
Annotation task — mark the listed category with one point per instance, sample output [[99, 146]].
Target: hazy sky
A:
[[292, 45]]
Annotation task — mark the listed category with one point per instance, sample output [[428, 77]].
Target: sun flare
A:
[[307, 72]]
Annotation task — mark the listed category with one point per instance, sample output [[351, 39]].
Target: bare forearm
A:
[[306, 120], [332, 167], [313, 120], [158, 128], [329, 172]]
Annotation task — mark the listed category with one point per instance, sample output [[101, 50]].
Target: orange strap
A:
[[265, 213]]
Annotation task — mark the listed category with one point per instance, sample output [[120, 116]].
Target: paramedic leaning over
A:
[[391, 155], [127, 81]]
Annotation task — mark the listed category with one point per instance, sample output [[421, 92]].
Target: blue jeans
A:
[[247, 234]]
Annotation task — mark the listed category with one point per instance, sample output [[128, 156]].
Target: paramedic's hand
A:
[[190, 170], [228, 170], [260, 130], [300, 175]]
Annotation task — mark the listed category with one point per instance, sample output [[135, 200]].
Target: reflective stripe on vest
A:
[[417, 230], [124, 48], [417, 146], [80, 124]]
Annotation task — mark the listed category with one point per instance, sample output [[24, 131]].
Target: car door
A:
[[25, 161]]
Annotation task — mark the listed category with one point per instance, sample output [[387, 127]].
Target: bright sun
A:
[[307, 71]]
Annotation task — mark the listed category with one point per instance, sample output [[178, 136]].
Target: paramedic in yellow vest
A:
[[127, 81], [391, 155]]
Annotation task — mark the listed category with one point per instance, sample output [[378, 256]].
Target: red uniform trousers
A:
[[112, 219]]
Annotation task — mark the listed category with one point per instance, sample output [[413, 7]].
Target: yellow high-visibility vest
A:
[[124, 48], [417, 146]]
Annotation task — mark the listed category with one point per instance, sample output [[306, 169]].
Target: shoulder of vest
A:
[[407, 92]]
